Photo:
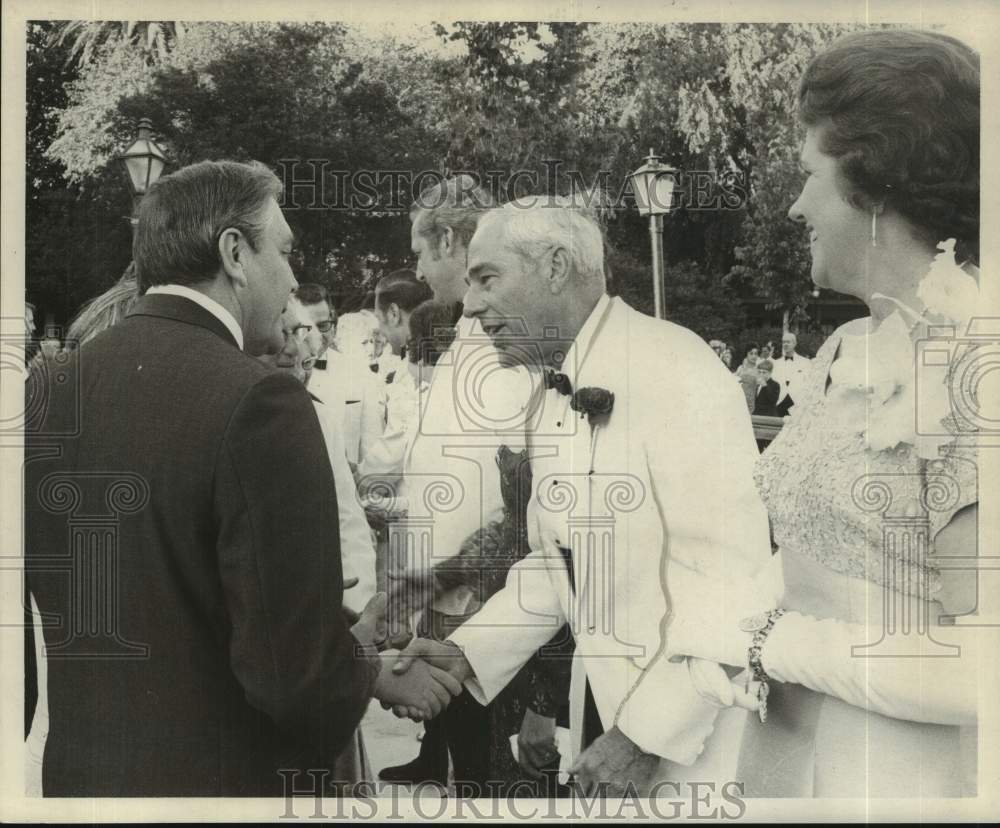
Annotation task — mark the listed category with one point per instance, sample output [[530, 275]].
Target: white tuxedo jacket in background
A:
[[356, 398], [357, 548], [472, 406], [660, 502], [789, 374]]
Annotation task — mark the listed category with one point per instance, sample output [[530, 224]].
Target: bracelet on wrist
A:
[[761, 626]]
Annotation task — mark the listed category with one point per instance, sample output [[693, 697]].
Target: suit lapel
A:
[[603, 364]]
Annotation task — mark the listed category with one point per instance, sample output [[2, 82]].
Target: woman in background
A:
[[748, 375]]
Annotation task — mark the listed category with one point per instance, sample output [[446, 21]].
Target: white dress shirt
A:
[[208, 303]]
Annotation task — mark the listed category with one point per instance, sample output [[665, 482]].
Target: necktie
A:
[[558, 381]]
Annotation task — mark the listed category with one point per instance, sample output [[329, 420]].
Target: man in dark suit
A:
[[768, 392], [182, 528]]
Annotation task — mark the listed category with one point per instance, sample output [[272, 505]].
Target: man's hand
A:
[[420, 693], [616, 760], [441, 654], [371, 627], [536, 743]]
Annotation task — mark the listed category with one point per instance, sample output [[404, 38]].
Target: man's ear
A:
[[446, 244], [395, 315], [560, 267], [231, 244]]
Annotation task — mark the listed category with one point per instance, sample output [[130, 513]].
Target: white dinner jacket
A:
[[661, 500], [789, 374]]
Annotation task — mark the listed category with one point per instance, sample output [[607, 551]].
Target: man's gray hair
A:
[[533, 225]]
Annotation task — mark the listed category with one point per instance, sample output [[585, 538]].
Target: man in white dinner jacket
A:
[[633, 510], [789, 370]]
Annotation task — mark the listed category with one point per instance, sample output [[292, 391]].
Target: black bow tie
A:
[[789, 359], [320, 364], [558, 381]]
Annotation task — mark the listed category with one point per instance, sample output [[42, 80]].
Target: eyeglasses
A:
[[325, 326], [300, 332]]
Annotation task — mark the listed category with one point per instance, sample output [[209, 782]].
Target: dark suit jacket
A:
[[767, 400], [182, 534]]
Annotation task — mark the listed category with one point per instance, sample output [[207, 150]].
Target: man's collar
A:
[[209, 304], [578, 351]]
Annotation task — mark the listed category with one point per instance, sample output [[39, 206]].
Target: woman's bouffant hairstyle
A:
[[902, 115]]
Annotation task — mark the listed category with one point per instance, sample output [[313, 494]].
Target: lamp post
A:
[[143, 162], [654, 184]]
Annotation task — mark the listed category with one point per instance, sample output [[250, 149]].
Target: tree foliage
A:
[[573, 105]]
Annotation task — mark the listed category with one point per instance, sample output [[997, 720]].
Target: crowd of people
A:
[[481, 503], [769, 382]]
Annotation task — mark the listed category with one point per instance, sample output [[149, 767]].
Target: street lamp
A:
[[144, 162], [654, 184]]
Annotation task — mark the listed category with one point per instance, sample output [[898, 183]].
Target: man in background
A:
[[456, 453], [789, 370], [396, 295], [308, 308], [354, 400]]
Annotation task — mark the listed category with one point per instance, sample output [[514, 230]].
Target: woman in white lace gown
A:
[[868, 487]]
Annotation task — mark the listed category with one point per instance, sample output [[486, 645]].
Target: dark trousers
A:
[[463, 729], [593, 728]]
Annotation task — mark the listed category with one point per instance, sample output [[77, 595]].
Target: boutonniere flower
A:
[[596, 403]]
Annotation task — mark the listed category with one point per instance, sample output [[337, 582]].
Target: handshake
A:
[[416, 683]]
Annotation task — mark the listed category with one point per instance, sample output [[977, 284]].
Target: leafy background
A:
[[475, 97]]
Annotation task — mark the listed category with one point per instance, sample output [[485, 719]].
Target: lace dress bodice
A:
[[835, 501]]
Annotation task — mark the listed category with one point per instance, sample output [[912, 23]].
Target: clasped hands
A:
[[417, 684], [440, 661]]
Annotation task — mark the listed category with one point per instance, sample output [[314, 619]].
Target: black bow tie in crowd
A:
[[559, 381], [789, 359]]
